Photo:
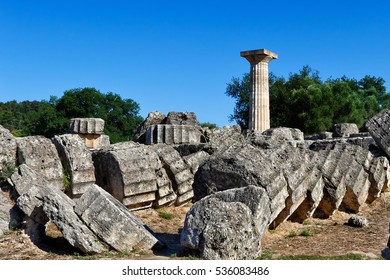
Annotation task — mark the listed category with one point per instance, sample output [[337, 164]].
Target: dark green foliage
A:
[[209, 125], [121, 115], [306, 102], [49, 118]]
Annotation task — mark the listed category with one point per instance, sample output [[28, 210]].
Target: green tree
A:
[[240, 90], [304, 101], [121, 115]]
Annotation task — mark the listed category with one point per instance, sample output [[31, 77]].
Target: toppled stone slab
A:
[[40, 154], [113, 222], [242, 165], [77, 161], [153, 118], [60, 209], [7, 148], [42, 203], [285, 134], [127, 171], [345, 129], [195, 160], [165, 194], [227, 225], [363, 141], [379, 128], [178, 171], [299, 182], [220, 138]]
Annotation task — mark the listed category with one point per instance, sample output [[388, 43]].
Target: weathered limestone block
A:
[[30, 203], [128, 172], [196, 159], [335, 186], [41, 203], [285, 134], [227, 225], [172, 134], [298, 172], [178, 171], [86, 126], [299, 182], [376, 169], [182, 118], [315, 193], [153, 118], [28, 184], [113, 222], [219, 138], [366, 142], [40, 154], [77, 161], [242, 165], [60, 210], [7, 148], [165, 194], [5, 208], [379, 128], [345, 129], [355, 169]]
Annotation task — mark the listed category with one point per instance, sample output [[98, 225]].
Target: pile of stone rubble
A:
[[240, 185]]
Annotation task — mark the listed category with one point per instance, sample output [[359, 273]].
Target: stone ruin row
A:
[[262, 179], [138, 175]]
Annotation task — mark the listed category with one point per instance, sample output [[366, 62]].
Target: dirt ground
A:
[[314, 237]]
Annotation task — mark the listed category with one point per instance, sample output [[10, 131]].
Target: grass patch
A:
[[306, 222], [165, 215], [105, 255], [271, 231], [67, 180], [343, 257], [292, 234], [268, 255], [305, 233]]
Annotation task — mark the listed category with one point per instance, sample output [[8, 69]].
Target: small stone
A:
[[357, 221]]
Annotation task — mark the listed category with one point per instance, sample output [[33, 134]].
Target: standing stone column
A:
[[259, 117]]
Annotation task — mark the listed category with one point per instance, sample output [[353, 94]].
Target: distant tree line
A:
[[306, 102], [49, 118]]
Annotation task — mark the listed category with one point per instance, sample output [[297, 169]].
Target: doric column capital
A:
[[257, 56]]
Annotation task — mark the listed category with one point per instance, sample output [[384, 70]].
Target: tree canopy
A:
[[52, 117], [306, 102]]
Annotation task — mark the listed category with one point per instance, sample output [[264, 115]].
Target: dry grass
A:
[[314, 239]]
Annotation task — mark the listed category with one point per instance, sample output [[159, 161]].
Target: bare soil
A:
[[315, 237]]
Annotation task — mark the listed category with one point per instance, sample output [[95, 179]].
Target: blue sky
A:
[[179, 55]]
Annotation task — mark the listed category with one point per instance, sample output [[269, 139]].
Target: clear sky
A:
[[179, 55]]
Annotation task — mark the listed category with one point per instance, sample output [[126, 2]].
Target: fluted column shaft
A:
[[259, 114]]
